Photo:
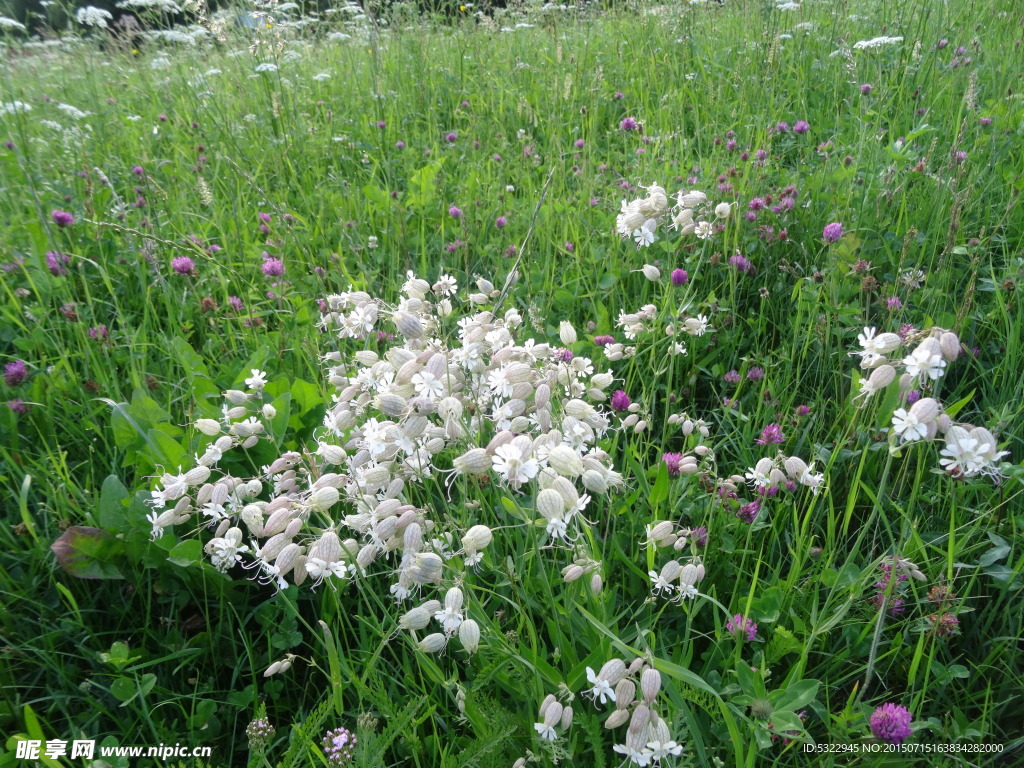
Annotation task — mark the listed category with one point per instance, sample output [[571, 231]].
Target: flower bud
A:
[[651, 272], [650, 684], [236, 397], [616, 718], [433, 643], [565, 461], [625, 692], [566, 333], [469, 635], [209, 427], [950, 345], [926, 409]]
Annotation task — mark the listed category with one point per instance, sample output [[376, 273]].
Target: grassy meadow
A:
[[334, 399]]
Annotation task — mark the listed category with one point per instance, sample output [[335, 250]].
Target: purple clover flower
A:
[[451, 137], [679, 277], [18, 405], [273, 267], [628, 124], [832, 232], [62, 218], [604, 341], [15, 372], [802, 126], [455, 212], [742, 627], [183, 265], [891, 723], [771, 435], [673, 461], [741, 264], [55, 262], [748, 512], [755, 374], [500, 222], [620, 400], [732, 377]]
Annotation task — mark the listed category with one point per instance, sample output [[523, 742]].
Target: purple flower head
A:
[[579, 144], [138, 170], [183, 265], [750, 216], [399, 145], [891, 723], [273, 267], [802, 126], [781, 127], [742, 627], [236, 303], [894, 303], [943, 43], [455, 212], [741, 264], [985, 122], [264, 217], [673, 461], [162, 118], [628, 124], [757, 204], [603, 341], [619, 96], [500, 222], [339, 747], [755, 374], [9, 144], [99, 333], [748, 512], [959, 156], [912, 396], [771, 435], [832, 232], [699, 536], [960, 50], [761, 154], [381, 124], [732, 377], [55, 261], [679, 277], [802, 410], [620, 400], [15, 372], [563, 355], [62, 218], [18, 405], [731, 145], [570, 246], [451, 137]]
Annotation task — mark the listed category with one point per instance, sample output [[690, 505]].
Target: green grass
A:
[[218, 143]]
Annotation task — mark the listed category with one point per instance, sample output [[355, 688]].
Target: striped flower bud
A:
[[392, 405], [949, 343], [553, 714], [408, 325], [625, 692], [795, 467], [417, 618], [688, 575], [288, 557], [612, 671], [546, 703], [326, 548], [651, 272], [650, 684], [208, 427], [566, 333], [469, 635], [566, 719], [572, 572], [324, 498], [236, 397], [660, 531], [887, 342], [476, 538], [565, 461], [197, 476], [550, 504], [925, 410], [596, 583], [594, 481], [640, 426], [433, 643], [638, 722], [616, 718]]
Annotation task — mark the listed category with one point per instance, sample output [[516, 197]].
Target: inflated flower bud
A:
[[650, 684], [594, 481], [547, 702], [651, 272], [236, 397], [625, 692], [553, 714], [197, 476], [670, 570], [550, 504], [949, 342], [659, 531], [612, 671], [689, 575], [640, 426], [641, 717], [434, 643], [236, 413], [408, 325], [417, 618], [209, 427], [392, 405], [616, 718], [572, 572], [795, 467], [566, 333], [925, 410], [469, 635], [565, 461], [324, 498], [477, 538], [943, 423]]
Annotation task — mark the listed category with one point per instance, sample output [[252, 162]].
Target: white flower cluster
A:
[[970, 450], [8, 23], [876, 42], [451, 616], [13, 107], [639, 219], [778, 473], [91, 16], [648, 739], [553, 714], [634, 324], [462, 397], [159, 6]]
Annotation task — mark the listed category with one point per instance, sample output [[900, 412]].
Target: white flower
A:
[[638, 757], [867, 339], [91, 16], [258, 380], [659, 584], [508, 462], [601, 688], [266, 67], [923, 362], [6, 23], [645, 236], [876, 42], [547, 732], [687, 592], [908, 426], [703, 230], [372, 242], [446, 285], [428, 385], [660, 749], [450, 619], [13, 107]]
